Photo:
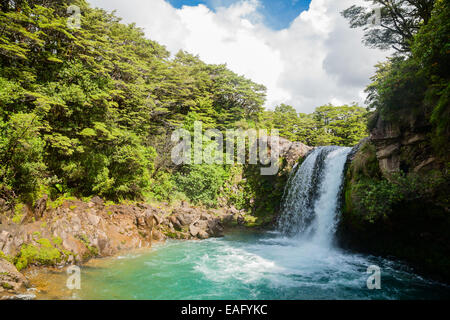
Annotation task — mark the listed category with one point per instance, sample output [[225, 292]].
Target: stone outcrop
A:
[[403, 145], [40, 206], [288, 150], [11, 281], [81, 230], [197, 223], [407, 211], [77, 231]]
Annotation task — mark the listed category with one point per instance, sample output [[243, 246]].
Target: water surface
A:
[[249, 266], [299, 261]]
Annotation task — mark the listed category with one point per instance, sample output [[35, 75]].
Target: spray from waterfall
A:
[[311, 199]]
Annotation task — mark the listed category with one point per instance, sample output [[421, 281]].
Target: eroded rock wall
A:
[[77, 231], [397, 170]]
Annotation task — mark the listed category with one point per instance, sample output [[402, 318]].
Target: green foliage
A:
[[328, 125], [234, 188], [57, 241], [21, 153], [202, 183], [60, 201], [410, 98], [6, 257], [378, 198], [44, 254], [17, 218], [398, 87], [83, 111], [417, 86], [163, 187], [399, 21], [365, 163], [432, 48], [263, 194]]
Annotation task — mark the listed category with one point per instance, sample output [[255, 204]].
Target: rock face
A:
[[403, 146], [267, 190], [11, 281], [185, 222], [40, 207], [413, 222], [77, 231], [288, 150]]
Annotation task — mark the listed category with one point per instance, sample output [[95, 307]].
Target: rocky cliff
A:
[[75, 231], [395, 198], [404, 146], [267, 190]]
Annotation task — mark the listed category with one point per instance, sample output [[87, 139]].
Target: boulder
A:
[[228, 219], [3, 205], [194, 231], [202, 224], [40, 207], [10, 278], [205, 216], [203, 235], [149, 220], [403, 145], [233, 210], [158, 236], [175, 223], [97, 201], [187, 219], [291, 151], [158, 219], [93, 219], [215, 228]]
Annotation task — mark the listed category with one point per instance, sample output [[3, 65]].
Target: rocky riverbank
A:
[[76, 231], [70, 231]]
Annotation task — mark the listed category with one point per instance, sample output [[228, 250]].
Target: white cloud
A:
[[317, 60]]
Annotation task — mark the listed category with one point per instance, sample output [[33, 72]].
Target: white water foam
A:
[[310, 204]]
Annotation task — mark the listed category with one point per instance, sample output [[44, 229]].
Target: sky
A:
[[276, 14], [303, 51]]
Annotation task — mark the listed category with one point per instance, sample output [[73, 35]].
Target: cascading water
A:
[[310, 203], [267, 265]]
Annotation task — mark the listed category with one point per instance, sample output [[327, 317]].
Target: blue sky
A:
[[278, 14]]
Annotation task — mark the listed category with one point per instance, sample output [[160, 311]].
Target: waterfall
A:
[[310, 203]]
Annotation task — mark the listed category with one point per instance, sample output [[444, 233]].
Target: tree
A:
[[328, 125], [417, 86], [399, 21], [21, 155], [105, 98], [342, 125], [285, 120]]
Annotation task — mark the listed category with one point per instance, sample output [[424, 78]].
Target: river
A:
[[299, 260]]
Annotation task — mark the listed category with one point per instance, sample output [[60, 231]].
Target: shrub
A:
[[163, 186], [378, 198], [202, 183], [45, 254], [21, 155]]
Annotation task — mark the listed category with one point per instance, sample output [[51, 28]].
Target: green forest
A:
[[90, 110], [87, 113]]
